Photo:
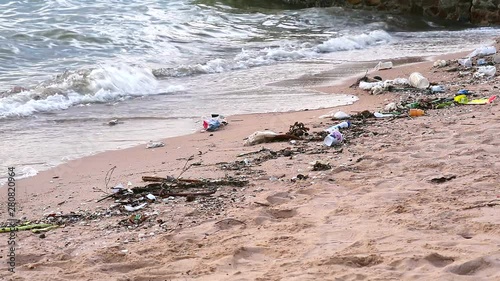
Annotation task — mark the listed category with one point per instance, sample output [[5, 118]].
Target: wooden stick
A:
[[189, 193], [153, 179], [252, 152]]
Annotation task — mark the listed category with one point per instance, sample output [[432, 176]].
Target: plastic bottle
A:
[[334, 138], [384, 65], [465, 62], [481, 62], [342, 125], [437, 89], [417, 80], [415, 112], [463, 92], [440, 63]]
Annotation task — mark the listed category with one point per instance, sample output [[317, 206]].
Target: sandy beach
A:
[[403, 199]]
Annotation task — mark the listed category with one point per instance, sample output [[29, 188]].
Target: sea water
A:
[[67, 67]]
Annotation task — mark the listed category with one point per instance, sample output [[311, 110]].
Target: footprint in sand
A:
[[229, 223], [278, 198], [470, 267], [354, 261], [274, 214], [438, 260], [282, 213]]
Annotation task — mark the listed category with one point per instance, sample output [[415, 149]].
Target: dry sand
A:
[[376, 215]]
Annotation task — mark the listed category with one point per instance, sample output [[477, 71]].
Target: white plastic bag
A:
[[367, 86], [487, 70], [483, 51]]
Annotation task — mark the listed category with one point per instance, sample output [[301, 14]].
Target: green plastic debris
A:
[[26, 227]]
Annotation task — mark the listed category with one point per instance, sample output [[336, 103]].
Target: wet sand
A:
[[380, 213]]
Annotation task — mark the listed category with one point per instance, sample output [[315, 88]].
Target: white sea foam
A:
[[354, 42], [24, 172], [288, 52], [100, 85], [118, 82]]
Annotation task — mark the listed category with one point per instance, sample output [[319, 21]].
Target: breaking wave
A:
[[99, 85], [117, 83], [288, 52]]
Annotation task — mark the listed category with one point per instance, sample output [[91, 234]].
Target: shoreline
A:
[[393, 205], [398, 62], [337, 84]]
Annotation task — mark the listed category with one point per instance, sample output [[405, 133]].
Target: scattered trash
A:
[[133, 209], [417, 80], [413, 105], [463, 99], [444, 104], [440, 63], [342, 125], [438, 89], [463, 92], [117, 188], [367, 86], [415, 112], [399, 81], [465, 62], [483, 51], [391, 107], [211, 125], [298, 129], [321, 166], [384, 65], [377, 90], [487, 70], [214, 123], [341, 115], [481, 62], [382, 115], [333, 138], [137, 219], [113, 122], [151, 197], [155, 144], [28, 226]]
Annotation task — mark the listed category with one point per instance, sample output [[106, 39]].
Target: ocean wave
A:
[[354, 42], [24, 172], [99, 85], [288, 52]]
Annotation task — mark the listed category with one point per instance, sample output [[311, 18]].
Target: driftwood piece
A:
[[298, 130], [156, 179], [193, 182], [252, 152], [186, 194]]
